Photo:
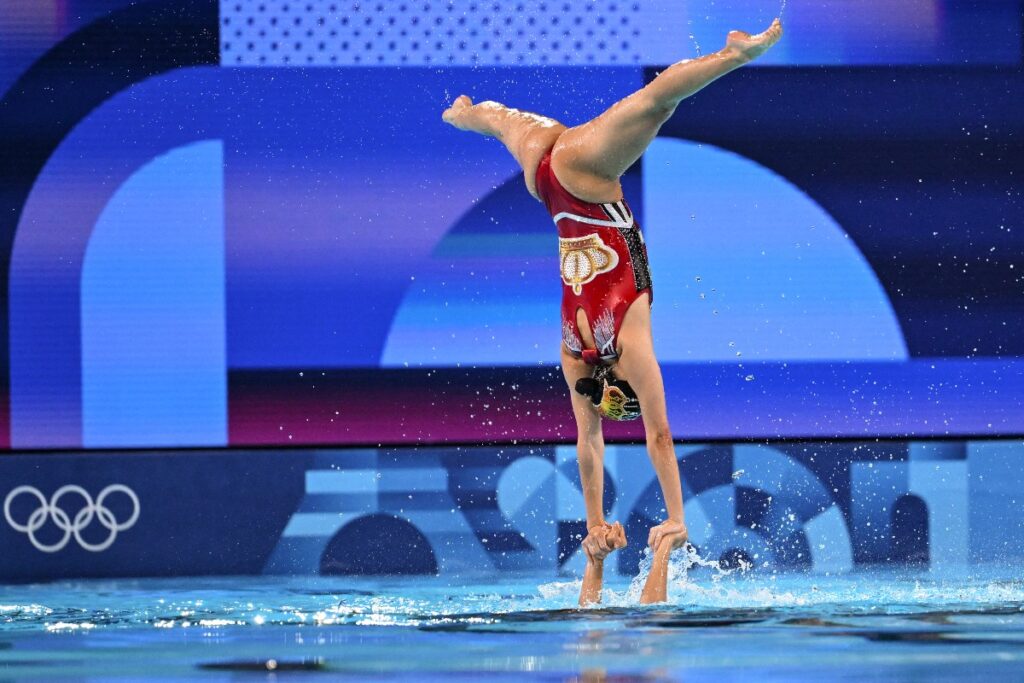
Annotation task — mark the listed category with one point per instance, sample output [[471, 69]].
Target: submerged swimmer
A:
[[607, 350]]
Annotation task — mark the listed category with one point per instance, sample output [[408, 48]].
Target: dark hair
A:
[[591, 388]]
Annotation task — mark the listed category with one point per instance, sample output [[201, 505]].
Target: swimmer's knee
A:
[[660, 435], [649, 106], [538, 139], [588, 445]]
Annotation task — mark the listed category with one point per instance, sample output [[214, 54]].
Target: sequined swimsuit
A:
[[603, 261]]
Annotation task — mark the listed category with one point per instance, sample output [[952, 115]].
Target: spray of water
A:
[[680, 563], [693, 35], [696, 586]]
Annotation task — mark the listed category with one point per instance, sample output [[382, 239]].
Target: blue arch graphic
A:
[[154, 370], [748, 266], [745, 264], [55, 227]]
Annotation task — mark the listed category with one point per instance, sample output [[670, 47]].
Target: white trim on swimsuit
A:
[[610, 209]]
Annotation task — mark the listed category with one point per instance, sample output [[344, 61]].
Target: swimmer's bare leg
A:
[[638, 366], [527, 136], [590, 158], [602, 537]]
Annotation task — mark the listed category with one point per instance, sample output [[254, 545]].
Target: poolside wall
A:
[[823, 507]]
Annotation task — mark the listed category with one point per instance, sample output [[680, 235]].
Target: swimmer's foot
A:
[[750, 47], [464, 115]]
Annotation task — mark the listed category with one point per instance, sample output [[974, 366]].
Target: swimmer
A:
[[607, 350]]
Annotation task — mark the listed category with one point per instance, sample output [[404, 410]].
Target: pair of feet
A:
[[739, 44]]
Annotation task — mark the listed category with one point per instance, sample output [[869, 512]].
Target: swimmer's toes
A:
[[754, 46], [457, 111]]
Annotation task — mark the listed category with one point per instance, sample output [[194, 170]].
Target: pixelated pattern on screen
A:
[[453, 33]]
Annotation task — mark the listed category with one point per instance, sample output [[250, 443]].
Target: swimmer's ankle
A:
[[744, 46], [483, 117], [737, 57]]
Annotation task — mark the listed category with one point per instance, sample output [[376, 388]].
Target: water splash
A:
[[680, 563], [693, 38], [696, 588]]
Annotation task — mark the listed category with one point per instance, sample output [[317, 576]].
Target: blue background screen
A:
[[245, 223]]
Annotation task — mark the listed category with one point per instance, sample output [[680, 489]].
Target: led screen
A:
[[245, 223]]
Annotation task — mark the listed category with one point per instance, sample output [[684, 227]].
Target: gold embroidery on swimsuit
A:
[[583, 259]]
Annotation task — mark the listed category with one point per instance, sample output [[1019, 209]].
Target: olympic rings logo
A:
[[72, 527]]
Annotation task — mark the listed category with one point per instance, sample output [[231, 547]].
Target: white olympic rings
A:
[[83, 517]]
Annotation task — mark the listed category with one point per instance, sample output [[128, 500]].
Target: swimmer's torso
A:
[[603, 263]]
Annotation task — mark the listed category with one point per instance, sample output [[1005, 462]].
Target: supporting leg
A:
[[638, 366], [602, 538], [590, 458], [589, 440]]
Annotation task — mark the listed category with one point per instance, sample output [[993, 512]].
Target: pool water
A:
[[717, 626]]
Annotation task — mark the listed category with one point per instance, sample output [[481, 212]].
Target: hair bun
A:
[[591, 388]]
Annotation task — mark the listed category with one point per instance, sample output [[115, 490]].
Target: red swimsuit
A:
[[603, 261]]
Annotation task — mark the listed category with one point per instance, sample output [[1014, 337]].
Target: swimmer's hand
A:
[[457, 113], [673, 532], [663, 539], [748, 47], [602, 539]]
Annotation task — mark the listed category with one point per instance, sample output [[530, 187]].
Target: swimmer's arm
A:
[[593, 581], [590, 458], [600, 541], [656, 586]]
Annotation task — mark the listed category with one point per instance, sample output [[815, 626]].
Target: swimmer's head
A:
[[613, 398]]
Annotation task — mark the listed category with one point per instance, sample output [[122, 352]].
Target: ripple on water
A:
[[701, 594]]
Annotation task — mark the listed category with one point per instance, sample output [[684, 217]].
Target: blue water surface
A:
[[717, 626]]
